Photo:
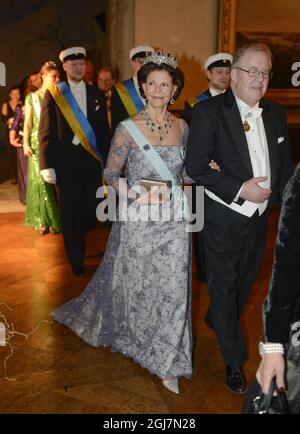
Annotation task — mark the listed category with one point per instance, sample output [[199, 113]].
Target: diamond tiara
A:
[[160, 58], [50, 63]]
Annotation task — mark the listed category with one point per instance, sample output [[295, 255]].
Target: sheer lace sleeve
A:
[[185, 133], [120, 146]]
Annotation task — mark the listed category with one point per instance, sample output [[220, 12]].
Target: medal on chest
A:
[[246, 125]]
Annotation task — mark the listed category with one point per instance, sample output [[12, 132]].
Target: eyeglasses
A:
[[256, 73]]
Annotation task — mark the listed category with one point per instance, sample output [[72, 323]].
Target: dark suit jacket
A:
[[118, 110], [217, 133], [55, 135], [187, 113]]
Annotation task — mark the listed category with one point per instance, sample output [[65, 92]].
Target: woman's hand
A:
[[271, 365], [16, 143], [9, 123], [213, 165], [27, 150]]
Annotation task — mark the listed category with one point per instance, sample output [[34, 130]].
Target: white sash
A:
[[158, 164], [36, 104]]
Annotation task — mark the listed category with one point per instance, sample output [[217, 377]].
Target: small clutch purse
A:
[[164, 186], [149, 183]]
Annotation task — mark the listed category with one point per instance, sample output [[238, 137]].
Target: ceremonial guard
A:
[[126, 100], [74, 143], [217, 68]]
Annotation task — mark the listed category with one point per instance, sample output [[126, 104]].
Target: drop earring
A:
[[172, 100]]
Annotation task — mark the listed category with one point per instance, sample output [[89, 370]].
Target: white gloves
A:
[[49, 175]]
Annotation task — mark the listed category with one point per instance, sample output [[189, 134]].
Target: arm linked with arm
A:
[[201, 150]]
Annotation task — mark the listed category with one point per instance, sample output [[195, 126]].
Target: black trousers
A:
[[233, 248], [78, 178], [198, 247]]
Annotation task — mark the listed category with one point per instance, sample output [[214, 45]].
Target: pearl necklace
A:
[[161, 129]]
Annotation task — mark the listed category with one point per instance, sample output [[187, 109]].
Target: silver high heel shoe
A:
[[171, 383]]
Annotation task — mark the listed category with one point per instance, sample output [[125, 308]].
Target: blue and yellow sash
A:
[[129, 97], [76, 119], [193, 101]]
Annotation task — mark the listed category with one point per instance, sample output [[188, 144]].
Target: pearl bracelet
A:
[[270, 348]]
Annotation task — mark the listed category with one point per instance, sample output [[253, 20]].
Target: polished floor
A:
[[53, 371]]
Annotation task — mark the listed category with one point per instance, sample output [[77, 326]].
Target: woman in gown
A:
[[8, 110], [139, 300], [41, 208], [16, 140]]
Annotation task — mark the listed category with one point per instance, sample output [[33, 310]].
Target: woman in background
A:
[[41, 208], [16, 140], [8, 109]]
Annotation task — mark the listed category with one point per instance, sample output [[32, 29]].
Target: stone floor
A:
[[53, 371], [9, 198]]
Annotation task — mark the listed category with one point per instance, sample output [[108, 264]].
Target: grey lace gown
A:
[[139, 300]]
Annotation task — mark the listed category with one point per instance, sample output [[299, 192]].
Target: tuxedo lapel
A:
[[89, 102], [233, 120], [270, 129]]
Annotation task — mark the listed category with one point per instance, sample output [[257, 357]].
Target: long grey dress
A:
[[139, 300]]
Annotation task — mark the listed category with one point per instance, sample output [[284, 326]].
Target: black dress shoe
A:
[[80, 271], [235, 380]]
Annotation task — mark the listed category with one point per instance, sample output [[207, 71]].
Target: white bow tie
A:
[[248, 112]]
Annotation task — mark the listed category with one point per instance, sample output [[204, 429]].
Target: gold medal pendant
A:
[[246, 125]]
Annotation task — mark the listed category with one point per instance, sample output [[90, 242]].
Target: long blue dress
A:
[[139, 300]]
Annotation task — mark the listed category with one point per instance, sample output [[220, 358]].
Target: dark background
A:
[[35, 31]]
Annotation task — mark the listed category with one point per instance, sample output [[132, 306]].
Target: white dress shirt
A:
[[215, 92], [259, 156], [79, 92]]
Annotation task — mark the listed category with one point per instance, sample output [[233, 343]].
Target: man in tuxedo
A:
[[247, 136], [217, 67], [73, 160], [126, 100]]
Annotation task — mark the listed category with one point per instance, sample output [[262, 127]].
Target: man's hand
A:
[[49, 175], [213, 165], [253, 192], [271, 365]]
